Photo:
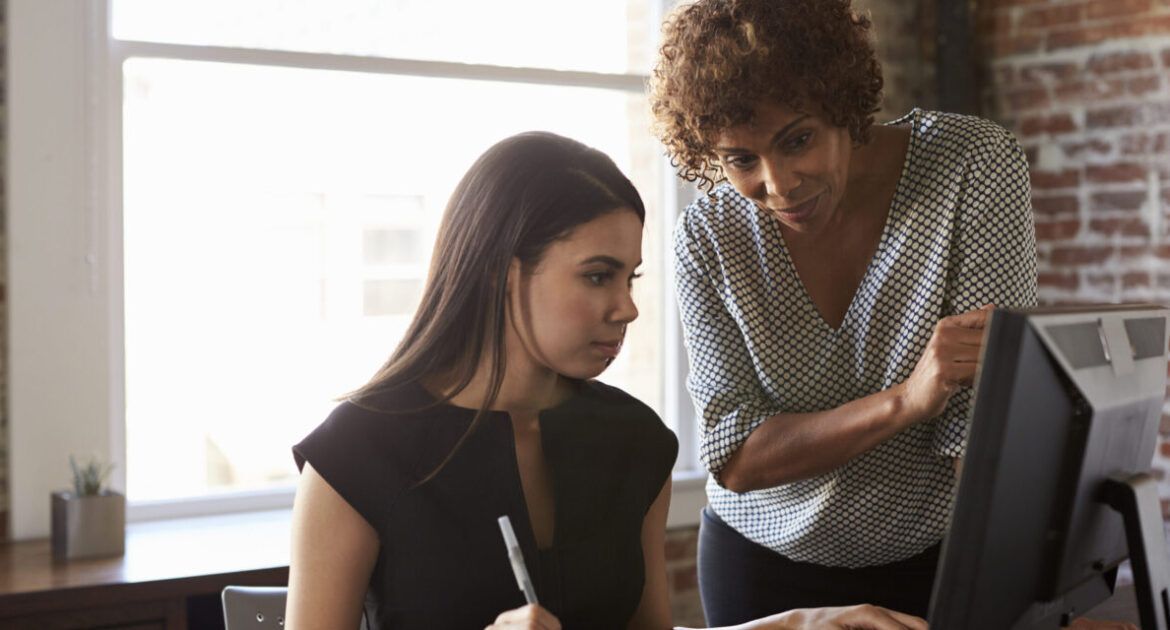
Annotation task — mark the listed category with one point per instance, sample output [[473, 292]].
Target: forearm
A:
[[790, 447]]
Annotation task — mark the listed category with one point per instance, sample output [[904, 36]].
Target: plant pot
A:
[[88, 527]]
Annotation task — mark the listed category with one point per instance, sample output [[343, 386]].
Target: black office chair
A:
[[256, 607]]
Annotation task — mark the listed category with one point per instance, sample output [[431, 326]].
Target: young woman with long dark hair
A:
[[487, 408]]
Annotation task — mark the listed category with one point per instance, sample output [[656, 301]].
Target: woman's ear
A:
[[515, 268]]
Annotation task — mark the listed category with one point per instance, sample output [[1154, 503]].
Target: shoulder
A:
[[609, 397], [716, 226], [715, 213], [401, 410], [959, 137], [368, 450], [374, 428], [627, 414]]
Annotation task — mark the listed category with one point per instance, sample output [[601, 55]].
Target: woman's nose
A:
[[779, 179], [625, 310]]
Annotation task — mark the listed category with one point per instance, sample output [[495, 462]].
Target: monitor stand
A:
[[1136, 497]]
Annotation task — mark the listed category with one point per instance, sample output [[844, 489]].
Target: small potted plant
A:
[[90, 520]]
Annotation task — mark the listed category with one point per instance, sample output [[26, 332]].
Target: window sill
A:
[[688, 496]]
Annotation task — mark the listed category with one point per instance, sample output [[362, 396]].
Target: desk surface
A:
[[156, 551], [1121, 607], [176, 555]]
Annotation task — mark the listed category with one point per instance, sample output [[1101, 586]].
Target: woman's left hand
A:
[[862, 617]]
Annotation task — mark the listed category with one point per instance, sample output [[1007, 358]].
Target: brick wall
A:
[[1083, 84]]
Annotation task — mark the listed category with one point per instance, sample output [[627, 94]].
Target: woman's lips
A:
[[799, 212], [608, 348]]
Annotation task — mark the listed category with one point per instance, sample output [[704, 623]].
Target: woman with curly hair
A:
[[834, 282]]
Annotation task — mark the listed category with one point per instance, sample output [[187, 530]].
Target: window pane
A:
[[278, 227], [599, 35]]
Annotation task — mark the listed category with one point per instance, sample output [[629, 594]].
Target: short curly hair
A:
[[720, 57]]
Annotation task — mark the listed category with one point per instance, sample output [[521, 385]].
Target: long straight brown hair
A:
[[521, 195]]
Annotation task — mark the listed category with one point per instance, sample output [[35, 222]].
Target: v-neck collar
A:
[[896, 204]]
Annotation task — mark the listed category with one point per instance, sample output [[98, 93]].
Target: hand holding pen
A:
[[531, 616], [517, 559]]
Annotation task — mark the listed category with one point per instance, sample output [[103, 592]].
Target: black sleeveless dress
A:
[[442, 561]]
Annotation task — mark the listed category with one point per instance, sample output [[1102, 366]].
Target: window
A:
[[271, 175]]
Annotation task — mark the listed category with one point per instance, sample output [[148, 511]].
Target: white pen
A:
[[517, 559]]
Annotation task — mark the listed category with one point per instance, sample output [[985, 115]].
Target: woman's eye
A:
[[599, 278], [633, 277], [738, 162], [799, 142]]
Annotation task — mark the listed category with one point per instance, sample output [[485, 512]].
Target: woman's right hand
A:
[[530, 617], [948, 363], [863, 617]]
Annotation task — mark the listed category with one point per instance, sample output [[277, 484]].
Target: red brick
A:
[[1091, 89], [1101, 282], [685, 579], [1145, 144], [1053, 125], [1111, 9], [1142, 86], [680, 548], [1073, 38], [1043, 72], [1055, 206], [1133, 252], [1095, 146], [1006, 46], [1135, 280], [1140, 26], [1115, 173], [1097, 32], [1045, 17], [1121, 116], [1080, 254], [1052, 180], [994, 22], [1136, 145], [1122, 227], [1164, 449], [1058, 280], [1048, 231], [1105, 63], [1028, 98], [1117, 200]]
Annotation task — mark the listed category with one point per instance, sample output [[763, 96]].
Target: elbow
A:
[[734, 477], [734, 484], [739, 476]]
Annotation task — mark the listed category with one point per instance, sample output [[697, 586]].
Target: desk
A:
[[169, 578], [1121, 607]]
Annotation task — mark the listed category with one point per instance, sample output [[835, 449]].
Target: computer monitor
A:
[[1054, 492]]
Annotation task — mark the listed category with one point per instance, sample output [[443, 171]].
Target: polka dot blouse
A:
[[959, 235]]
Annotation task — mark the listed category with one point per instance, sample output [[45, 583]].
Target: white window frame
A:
[[66, 363]]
